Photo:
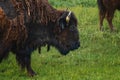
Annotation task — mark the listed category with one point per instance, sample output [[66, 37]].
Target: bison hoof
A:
[[114, 29], [31, 73]]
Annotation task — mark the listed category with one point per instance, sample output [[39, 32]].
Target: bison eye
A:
[[72, 27]]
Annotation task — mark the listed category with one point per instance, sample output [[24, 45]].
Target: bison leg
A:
[[101, 17], [4, 52], [3, 55], [28, 66], [24, 61], [109, 17]]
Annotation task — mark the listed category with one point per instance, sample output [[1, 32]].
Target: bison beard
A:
[[43, 24], [107, 9]]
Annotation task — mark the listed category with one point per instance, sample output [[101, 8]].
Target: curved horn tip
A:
[[67, 9], [67, 19]]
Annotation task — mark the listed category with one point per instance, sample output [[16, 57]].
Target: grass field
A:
[[98, 58]]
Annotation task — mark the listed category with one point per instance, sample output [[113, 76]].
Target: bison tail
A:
[[101, 5]]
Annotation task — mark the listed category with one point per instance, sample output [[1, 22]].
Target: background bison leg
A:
[[101, 17], [109, 16], [24, 60]]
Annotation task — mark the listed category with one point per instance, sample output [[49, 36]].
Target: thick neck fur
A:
[[44, 18], [42, 12]]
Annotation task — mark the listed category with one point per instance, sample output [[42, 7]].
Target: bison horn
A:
[[68, 17]]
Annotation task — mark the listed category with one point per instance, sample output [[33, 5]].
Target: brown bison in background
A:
[[107, 9], [43, 24]]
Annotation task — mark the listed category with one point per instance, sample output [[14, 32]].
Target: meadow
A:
[[98, 58]]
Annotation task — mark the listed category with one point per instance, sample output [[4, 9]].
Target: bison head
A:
[[66, 33]]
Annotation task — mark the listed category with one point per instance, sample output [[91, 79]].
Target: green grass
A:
[[71, 3], [98, 58]]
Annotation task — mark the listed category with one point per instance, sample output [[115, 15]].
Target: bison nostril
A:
[[75, 45]]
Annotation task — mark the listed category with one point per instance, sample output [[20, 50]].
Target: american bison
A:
[[107, 9], [44, 25]]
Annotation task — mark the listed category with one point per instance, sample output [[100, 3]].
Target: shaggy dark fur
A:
[[11, 31], [107, 9], [45, 26]]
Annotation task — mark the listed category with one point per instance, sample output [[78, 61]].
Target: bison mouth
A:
[[64, 49]]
